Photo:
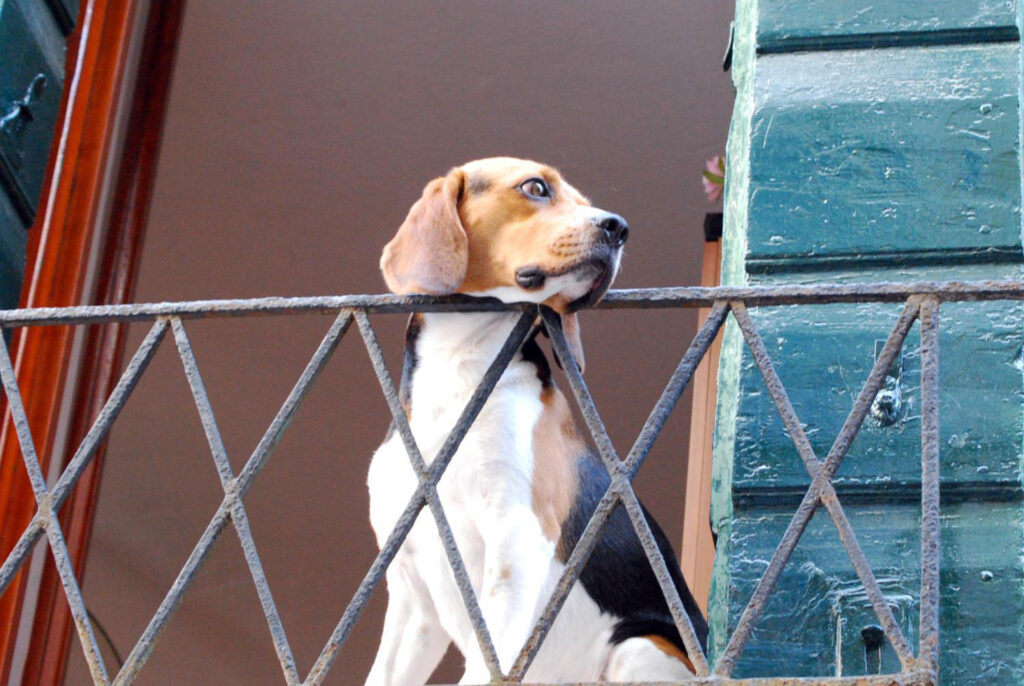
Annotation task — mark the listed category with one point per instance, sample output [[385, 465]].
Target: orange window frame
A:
[[93, 210], [698, 547]]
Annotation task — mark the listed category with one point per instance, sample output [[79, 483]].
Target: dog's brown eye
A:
[[536, 189]]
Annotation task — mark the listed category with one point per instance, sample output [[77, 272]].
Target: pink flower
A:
[[713, 178]]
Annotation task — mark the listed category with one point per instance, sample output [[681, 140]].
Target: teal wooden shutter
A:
[[874, 141], [32, 45]]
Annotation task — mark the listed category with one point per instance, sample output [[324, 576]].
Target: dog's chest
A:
[[493, 470], [503, 431], [495, 457]]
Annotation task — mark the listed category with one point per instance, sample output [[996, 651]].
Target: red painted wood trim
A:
[[58, 256], [40, 381], [104, 346]]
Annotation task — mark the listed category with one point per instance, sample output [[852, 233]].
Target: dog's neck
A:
[[451, 352], [466, 339]]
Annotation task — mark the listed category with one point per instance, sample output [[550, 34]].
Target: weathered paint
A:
[[13, 241], [734, 240], [823, 354], [822, 24], [812, 624], [30, 90], [877, 152], [864, 165]]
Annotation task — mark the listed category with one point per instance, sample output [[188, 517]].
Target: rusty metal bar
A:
[[826, 492], [876, 377], [591, 533], [101, 426], [677, 383], [238, 515], [922, 299], [144, 646], [807, 507], [444, 530], [642, 298], [930, 530], [201, 399], [668, 588], [291, 404], [49, 520], [377, 570], [573, 568], [584, 401], [821, 490], [619, 485], [620, 472]]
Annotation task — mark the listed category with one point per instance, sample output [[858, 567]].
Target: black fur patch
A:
[[533, 354], [530, 278], [618, 576]]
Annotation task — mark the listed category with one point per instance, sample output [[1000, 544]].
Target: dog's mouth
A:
[[604, 272], [594, 274]]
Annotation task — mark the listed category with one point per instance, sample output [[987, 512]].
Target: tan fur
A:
[[429, 252], [507, 231], [571, 329], [471, 237], [472, 229], [556, 444], [469, 233], [672, 650]]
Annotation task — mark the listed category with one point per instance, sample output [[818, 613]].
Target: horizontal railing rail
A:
[[627, 298], [921, 303]]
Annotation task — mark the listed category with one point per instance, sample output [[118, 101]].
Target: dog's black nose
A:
[[615, 228]]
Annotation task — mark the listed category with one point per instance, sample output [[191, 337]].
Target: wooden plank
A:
[[698, 547], [789, 25], [823, 355], [812, 625], [58, 250], [864, 165], [875, 154]]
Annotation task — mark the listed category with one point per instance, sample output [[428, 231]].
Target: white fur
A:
[[572, 285], [637, 659], [487, 496]]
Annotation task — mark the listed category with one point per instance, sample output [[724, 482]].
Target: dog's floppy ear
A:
[[430, 251], [571, 329]]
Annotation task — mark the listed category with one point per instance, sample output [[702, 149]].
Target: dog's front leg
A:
[[413, 641], [517, 561]]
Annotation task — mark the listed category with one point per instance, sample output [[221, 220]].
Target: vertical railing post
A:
[[928, 656]]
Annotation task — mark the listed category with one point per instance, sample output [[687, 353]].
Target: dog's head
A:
[[511, 229]]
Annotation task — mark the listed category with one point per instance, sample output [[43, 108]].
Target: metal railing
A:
[[921, 302]]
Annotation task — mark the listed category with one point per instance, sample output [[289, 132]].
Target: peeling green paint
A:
[[821, 144]]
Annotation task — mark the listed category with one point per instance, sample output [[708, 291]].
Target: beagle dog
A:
[[523, 484]]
